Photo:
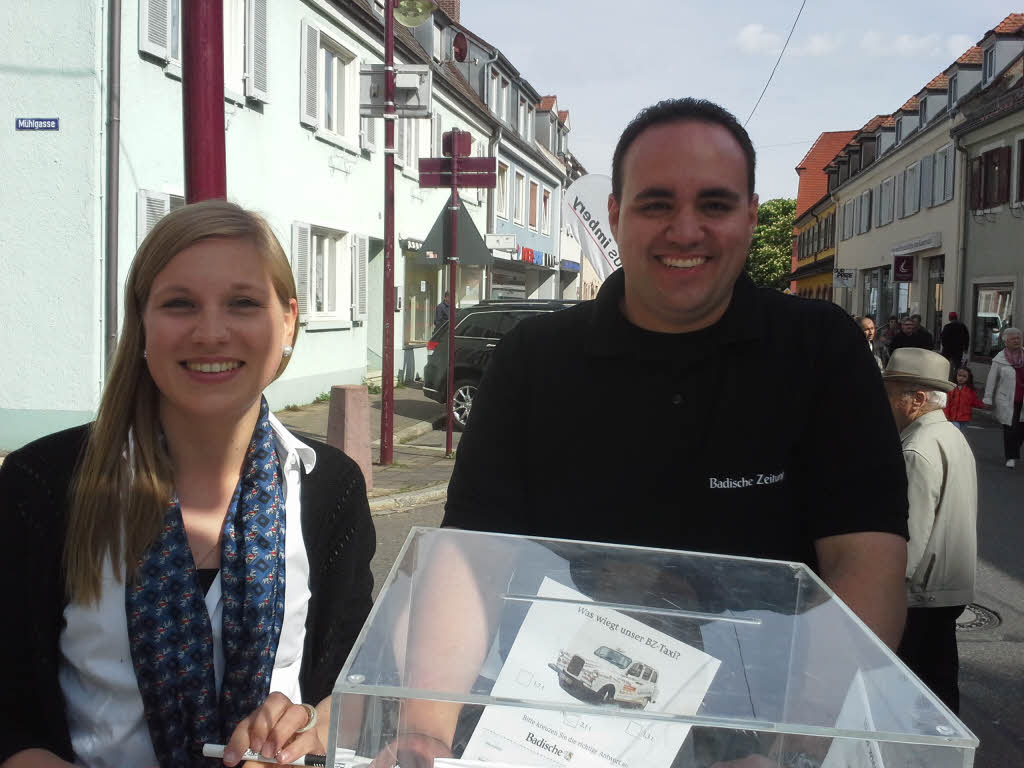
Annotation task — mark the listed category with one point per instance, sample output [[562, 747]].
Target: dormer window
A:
[[899, 130], [989, 68], [924, 111], [438, 34], [952, 96]]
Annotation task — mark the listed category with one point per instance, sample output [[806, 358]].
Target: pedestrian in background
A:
[[955, 339], [942, 485], [442, 312], [867, 325], [884, 337], [913, 335], [158, 598], [1004, 391], [961, 399]]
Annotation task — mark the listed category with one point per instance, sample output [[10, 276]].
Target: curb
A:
[[399, 502], [409, 433]]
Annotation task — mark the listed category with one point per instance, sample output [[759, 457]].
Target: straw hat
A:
[[923, 367]]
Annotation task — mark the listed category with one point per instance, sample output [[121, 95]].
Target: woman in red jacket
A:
[[962, 399]]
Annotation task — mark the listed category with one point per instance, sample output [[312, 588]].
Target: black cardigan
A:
[[34, 494]]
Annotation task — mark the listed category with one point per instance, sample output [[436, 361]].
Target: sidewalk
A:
[[420, 470]]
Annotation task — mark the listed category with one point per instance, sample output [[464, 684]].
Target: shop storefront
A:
[[529, 274], [569, 279]]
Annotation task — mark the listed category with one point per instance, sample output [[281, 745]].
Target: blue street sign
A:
[[37, 123]]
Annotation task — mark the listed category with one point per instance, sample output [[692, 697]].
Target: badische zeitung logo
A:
[[746, 481]]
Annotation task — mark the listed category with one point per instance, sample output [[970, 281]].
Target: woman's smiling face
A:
[[215, 329]]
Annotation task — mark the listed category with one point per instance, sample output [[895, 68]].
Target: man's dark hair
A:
[[674, 111]]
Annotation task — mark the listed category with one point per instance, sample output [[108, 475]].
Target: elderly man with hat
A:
[[943, 496]]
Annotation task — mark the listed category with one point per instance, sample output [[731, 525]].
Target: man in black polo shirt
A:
[[684, 407]]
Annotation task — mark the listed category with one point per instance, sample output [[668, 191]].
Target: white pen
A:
[[217, 750]]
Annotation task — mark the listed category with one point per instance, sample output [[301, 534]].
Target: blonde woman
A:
[[182, 570], [1004, 391]]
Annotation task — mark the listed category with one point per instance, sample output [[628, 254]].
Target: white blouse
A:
[[104, 706]]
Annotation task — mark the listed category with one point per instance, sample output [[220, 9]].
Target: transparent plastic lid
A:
[[526, 627]]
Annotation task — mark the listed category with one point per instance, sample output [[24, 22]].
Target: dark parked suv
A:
[[478, 330]]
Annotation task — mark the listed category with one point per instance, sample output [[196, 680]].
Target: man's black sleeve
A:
[[488, 488], [851, 476]]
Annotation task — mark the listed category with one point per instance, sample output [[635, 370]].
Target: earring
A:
[[287, 351], [143, 354]]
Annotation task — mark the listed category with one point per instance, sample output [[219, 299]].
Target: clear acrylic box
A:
[[517, 651]]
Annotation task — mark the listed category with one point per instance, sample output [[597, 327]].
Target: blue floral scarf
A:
[[169, 627]]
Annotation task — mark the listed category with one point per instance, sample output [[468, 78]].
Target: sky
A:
[[607, 59]]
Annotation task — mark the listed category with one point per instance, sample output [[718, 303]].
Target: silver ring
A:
[[313, 717]]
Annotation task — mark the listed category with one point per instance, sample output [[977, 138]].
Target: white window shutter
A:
[[876, 193], [950, 176], [301, 247], [898, 194], [856, 216], [360, 268], [368, 134], [152, 206], [155, 28], [256, 51], [309, 83], [868, 204]]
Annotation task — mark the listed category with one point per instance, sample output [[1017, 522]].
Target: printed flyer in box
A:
[[575, 654]]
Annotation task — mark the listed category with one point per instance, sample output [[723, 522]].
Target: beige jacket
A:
[[1000, 388], [943, 493]]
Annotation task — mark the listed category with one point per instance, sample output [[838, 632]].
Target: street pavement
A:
[[992, 657]]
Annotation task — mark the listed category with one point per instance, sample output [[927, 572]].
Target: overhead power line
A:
[[786, 45]]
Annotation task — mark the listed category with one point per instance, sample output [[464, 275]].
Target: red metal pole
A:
[[202, 90], [387, 372], [453, 287]]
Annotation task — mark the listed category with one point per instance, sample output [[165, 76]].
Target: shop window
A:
[[993, 313]]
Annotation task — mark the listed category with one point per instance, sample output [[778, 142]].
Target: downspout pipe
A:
[[110, 277]]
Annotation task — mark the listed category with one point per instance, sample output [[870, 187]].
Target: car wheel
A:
[[607, 695], [462, 402]]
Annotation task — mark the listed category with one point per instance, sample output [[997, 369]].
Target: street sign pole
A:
[[202, 80], [453, 292], [387, 366]]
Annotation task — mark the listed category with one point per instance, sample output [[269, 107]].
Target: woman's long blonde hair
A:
[[119, 495]]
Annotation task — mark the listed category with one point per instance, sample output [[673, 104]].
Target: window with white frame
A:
[[502, 191], [912, 190], [923, 112], [436, 132], [339, 81], [436, 42], [545, 211], [951, 94], [519, 202], [494, 91], [504, 101], [531, 122], [989, 67], [942, 175], [327, 274], [330, 274], [407, 144], [234, 48], [521, 117], [534, 205], [899, 130]]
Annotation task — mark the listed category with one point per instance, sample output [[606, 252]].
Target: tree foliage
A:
[[771, 251]]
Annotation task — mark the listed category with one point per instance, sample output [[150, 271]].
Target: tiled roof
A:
[[874, 124], [913, 105], [940, 83], [813, 179], [889, 122], [1011, 25], [547, 103], [972, 57], [563, 115]]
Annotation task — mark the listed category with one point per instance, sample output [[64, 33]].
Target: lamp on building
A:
[[412, 13]]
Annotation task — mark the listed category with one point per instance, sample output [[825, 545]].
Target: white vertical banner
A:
[[585, 212]]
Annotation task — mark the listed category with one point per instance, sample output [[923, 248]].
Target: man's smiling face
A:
[[683, 224]]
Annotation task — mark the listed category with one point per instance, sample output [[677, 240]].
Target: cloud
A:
[[904, 45], [958, 44], [755, 39], [817, 45]]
